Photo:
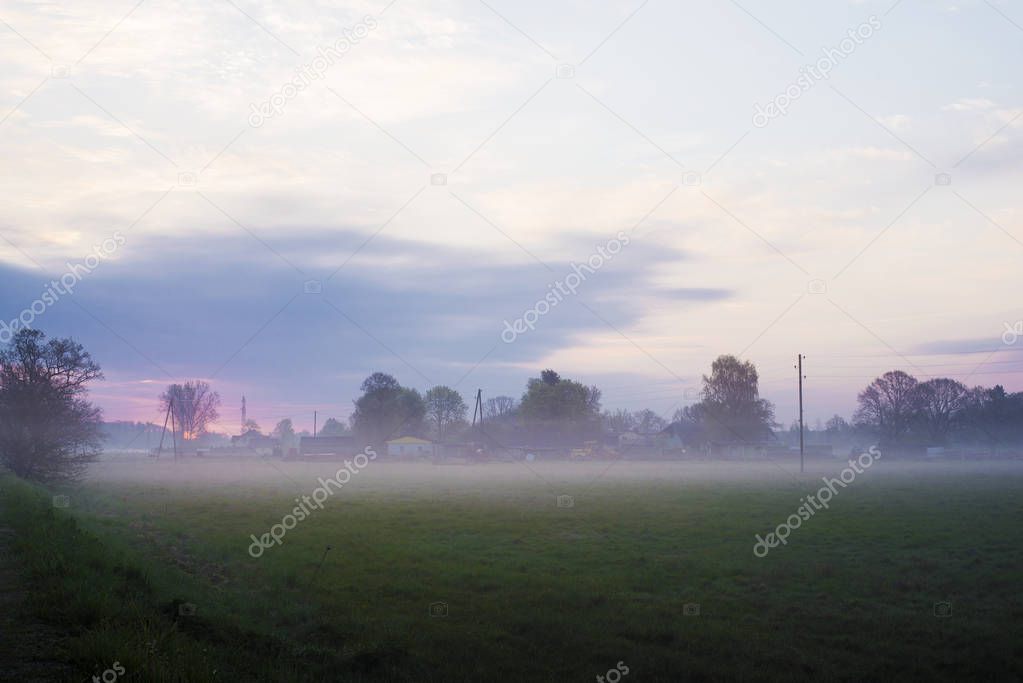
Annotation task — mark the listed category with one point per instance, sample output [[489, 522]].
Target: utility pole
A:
[[314, 422], [478, 408], [166, 418], [799, 366], [174, 429]]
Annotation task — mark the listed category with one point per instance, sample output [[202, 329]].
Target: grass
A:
[[532, 591]]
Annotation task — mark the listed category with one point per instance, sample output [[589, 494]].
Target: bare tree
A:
[[194, 406], [48, 431], [889, 404], [649, 422], [499, 407], [942, 402], [618, 421]]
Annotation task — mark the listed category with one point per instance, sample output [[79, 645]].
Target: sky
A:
[[757, 178]]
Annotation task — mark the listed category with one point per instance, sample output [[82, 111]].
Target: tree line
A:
[[903, 411], [895, 410], [50, 431]]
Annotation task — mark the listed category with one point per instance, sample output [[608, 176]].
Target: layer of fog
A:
[[243, 477]]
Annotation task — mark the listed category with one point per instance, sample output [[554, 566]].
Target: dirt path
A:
[[28, 647]]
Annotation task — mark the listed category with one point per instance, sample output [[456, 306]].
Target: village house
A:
[[410, 446], [254, 442]]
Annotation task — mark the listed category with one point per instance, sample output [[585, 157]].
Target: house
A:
[[410, 446], [326, 446], [633, 439], [253, 441]]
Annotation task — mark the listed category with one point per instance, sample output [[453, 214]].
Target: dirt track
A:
[[28, 647]]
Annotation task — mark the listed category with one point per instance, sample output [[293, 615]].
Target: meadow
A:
[[538, 572]]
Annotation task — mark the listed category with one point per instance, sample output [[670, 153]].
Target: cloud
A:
[[697, 294], [189, 307], [873, 154], [896, 121], [945, 347], [970, 104]]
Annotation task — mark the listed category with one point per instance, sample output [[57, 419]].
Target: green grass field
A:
[[521, 588]]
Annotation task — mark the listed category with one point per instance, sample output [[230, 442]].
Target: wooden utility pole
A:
[[159, 450], [799, 366], [478, 408], [174, 430]]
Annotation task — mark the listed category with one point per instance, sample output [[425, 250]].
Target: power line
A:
[[914, 355], [925, 365], [929, 376]]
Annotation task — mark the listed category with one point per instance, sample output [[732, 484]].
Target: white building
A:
[[412, 446]]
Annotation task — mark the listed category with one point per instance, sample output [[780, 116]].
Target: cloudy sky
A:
[[444, 164]]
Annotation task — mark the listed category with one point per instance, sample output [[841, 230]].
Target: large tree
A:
[[333, 427], [890, 405], [559, 409], [285, 432], [731, 410], [49, 432], [993, 416], [445, 409], [387, 410], [942, 402], [194, 406]]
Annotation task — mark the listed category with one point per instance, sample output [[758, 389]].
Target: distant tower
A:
[[244, 420]]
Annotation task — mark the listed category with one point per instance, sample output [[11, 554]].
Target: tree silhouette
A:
[[49, 432]]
